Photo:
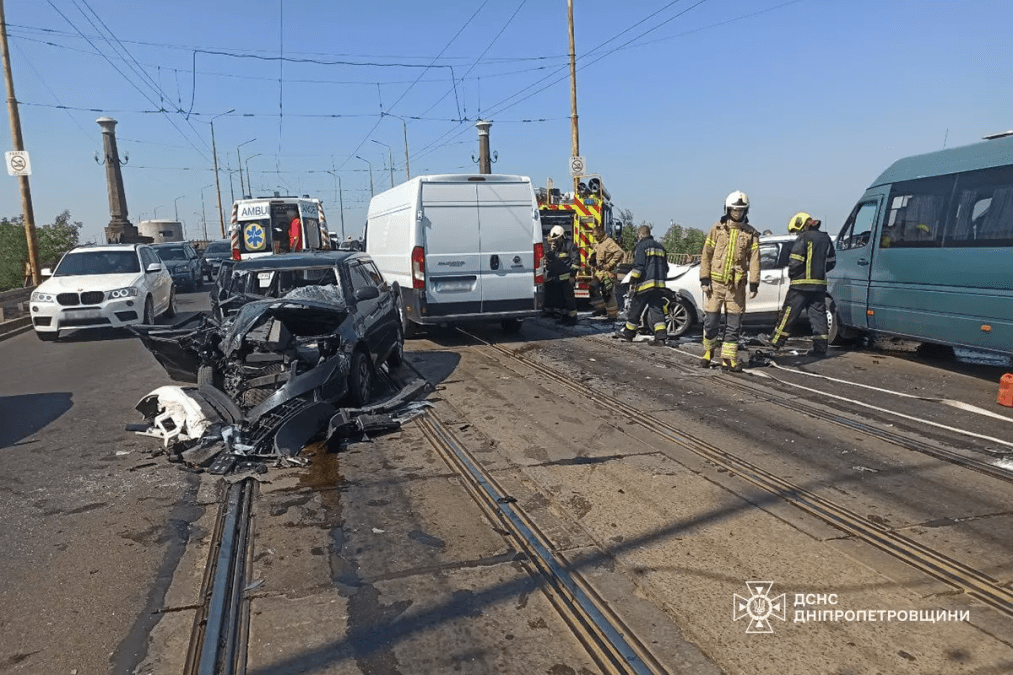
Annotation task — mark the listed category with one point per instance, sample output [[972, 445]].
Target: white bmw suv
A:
[[102, 286]]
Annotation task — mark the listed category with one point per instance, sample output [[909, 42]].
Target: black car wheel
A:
[[360, 380], [679, 318], [198, 281], [396, 357], [149, 308], [407, 326]]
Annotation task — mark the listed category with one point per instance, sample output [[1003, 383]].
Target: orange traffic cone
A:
[[1006, 390]]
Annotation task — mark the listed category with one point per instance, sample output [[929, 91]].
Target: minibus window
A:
[[984, 213], [917, 213], [858, 228]]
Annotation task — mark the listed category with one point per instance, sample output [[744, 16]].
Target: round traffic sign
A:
[[18, 163]]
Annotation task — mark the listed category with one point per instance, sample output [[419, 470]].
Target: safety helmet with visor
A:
[[737, 205], [556, 232]]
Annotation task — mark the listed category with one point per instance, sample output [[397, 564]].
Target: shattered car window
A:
[[277, 283], [330, 294]]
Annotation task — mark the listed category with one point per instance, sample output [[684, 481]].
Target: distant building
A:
[[161, 231]]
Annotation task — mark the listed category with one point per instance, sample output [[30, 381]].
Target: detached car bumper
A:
[[48, 317]]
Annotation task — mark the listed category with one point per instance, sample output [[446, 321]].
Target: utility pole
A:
[[341, 198], [232, 186], [407, 171], [19, 146], [575, 135], [218, 184]]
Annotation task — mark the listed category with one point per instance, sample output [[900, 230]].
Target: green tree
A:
[[55, 239], [679, 239]]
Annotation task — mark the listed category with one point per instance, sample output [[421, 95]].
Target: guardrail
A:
[[15, 303]]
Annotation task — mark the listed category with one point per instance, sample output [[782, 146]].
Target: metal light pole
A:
[[239, 161], [370, 174], [218, 185], [19, 145], [390, 155], [175, 205], [407, 171], [249, 181], [339, 193], [204, 212]]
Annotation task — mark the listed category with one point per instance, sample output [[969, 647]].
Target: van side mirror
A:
[[367, 293]]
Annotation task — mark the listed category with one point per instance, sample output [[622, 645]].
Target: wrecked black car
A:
[[291, 336]]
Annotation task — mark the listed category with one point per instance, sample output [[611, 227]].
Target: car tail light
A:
[[418, 268], [539, 254]]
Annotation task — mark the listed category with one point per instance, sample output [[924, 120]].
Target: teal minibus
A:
[[927, 252]]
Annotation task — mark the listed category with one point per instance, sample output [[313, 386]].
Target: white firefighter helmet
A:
[[556, 232], [737, 200]]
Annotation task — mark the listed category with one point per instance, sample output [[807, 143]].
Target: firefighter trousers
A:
[[559, 295], [731, 298], [603, 296], [653, 302], [795, 303]]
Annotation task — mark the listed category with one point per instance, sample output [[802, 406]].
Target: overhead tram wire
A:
[[247, 52], [482, 55], [412, 85], [136, 67], [430, 148], [124, 76], [562, 68]]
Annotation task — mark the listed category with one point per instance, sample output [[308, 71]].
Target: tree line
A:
[[55, 239], [678, 239]]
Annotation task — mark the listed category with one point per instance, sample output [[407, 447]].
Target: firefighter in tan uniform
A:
[[731, 258], [605, 257]]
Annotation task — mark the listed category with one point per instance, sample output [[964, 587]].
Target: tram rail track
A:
[[935, 564], [221, 624], [898, 439], [607, 639]]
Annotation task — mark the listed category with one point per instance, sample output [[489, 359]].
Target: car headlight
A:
[[128, 292], [43, 297]]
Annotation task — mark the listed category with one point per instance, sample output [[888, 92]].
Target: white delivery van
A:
[[459, 248]]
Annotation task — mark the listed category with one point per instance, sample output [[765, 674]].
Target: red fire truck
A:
[[578, 213]]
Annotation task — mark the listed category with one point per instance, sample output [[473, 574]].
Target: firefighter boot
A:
[[708, 352], [729, 357]]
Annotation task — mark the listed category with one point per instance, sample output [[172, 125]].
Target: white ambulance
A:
[[263, 226]]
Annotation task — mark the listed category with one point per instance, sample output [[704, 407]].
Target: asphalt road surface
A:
[[665, 487]]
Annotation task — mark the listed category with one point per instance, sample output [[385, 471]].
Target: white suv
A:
[[101, 286]]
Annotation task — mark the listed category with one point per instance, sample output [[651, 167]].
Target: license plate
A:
[[85, 314]]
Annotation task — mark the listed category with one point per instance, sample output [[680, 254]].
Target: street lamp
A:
[[239, 160], [390, 155], [218, 185], [175, 205], [204, 211], [249, 182], [341, 201], [370, 174]]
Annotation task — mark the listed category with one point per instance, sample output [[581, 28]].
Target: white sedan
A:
[[686, 301], [102, 286]]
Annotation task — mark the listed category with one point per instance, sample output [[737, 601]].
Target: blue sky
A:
[[800, 104]]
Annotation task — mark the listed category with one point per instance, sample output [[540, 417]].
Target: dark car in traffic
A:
[[212, 257], [183, 264], [315, 326]]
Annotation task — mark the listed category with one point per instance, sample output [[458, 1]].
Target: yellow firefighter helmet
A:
[[798, 222]]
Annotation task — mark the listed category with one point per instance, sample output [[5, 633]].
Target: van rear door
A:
[[849, 280], [452, 248], [507, 227]]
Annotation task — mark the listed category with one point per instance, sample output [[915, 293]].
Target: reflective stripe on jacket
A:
[[730, 253], [650, 266], [811, 258], [562, 263]]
